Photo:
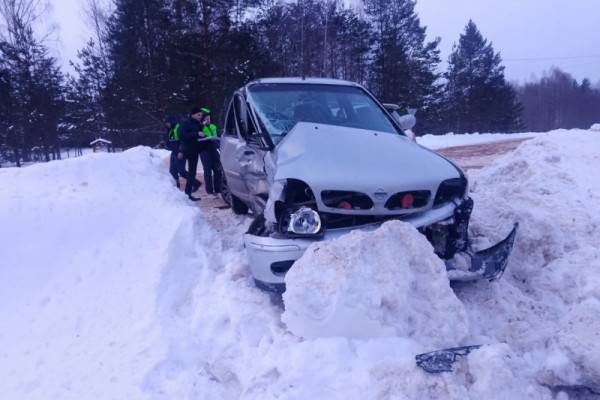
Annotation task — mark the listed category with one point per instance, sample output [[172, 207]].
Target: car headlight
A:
[[451, 189], [305, 221]]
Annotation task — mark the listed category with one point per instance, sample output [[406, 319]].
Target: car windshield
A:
[[280, 106]]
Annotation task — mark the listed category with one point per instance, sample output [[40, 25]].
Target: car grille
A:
[[338, 221], [346, 200], [420, 198]]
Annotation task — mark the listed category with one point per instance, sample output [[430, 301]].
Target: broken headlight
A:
[[450, 189], [305, 221]]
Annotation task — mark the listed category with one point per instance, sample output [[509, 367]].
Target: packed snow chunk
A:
[[575, 357], [595, 128], [383, 283], [498, 373]]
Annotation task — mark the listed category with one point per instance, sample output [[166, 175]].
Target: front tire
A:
[[238, 206]]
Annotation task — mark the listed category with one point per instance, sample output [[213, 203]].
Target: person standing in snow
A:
[[173, 145], [177, 159], [190, 134], [209, 155]]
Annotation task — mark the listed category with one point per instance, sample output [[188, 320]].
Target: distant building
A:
[[36, 154], [101, 145]]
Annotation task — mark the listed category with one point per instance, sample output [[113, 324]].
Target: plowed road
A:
[[479, 155]]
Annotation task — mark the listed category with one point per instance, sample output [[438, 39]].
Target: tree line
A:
[[152, 58]]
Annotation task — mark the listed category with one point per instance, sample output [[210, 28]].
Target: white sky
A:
[[554, 32], [531, 35]]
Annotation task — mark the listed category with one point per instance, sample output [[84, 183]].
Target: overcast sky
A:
[[531, 35]]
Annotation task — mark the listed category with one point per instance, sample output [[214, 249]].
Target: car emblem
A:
[[380, 194]]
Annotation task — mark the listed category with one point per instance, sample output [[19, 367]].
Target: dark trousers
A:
[[177, 167], [212, 174], [192, 159]]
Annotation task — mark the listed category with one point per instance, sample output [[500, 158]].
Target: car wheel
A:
[[238, 206], [225, 193]]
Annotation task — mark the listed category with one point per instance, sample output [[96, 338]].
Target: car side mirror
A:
[[407, 121]]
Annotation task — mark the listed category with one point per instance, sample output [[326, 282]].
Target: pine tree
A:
[[33, 101], [85, 118], [403, 67], [138, 88], [477, 96]]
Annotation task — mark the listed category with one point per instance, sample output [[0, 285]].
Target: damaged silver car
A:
[[313, 159]]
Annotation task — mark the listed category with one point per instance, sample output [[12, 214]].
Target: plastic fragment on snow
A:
[[439, 361]]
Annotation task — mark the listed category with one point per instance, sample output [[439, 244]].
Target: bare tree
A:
[[17, 15], [96, 13]]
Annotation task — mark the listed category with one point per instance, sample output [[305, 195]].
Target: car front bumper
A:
[[270, 258]]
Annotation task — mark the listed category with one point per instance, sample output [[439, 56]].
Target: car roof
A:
[[309, 81]]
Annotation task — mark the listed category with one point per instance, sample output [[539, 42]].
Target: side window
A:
[[239, 107], [242, 116], [230, 127]]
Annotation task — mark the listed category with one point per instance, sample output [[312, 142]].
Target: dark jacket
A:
[[188, 135]]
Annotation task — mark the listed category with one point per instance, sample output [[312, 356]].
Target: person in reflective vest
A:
[[209, 156], [172, 126], [190, 146]]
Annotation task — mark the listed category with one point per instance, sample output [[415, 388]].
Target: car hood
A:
[[330, 157]]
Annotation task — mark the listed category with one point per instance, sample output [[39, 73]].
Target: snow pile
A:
[[595, 128], [547, 306], [374, 284], [84, 243], [113, 285]]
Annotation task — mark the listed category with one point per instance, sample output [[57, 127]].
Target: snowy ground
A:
[[113, 285]]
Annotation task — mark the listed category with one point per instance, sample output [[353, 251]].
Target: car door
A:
[[231, 145], [251, 157]]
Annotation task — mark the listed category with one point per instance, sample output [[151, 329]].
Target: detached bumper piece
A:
[[492, 262], [439, 361], [487, 264]]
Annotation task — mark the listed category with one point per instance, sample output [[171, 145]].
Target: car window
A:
[[230, 127], [245, 124], [281, 106]]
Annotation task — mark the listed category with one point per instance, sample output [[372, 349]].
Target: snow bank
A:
[[84, 243], [546, 306], [112, 285], [595, 128], [386, 283]]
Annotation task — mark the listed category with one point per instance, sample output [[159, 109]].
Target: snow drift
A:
[[113, 285], [374, 284], [546, 184], [82, 252]]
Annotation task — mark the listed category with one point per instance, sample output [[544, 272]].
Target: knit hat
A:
[[196, 110]]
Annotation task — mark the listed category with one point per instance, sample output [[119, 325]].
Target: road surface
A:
[[479, 155]]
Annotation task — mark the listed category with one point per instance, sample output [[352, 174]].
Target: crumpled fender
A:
[[276, 193]]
